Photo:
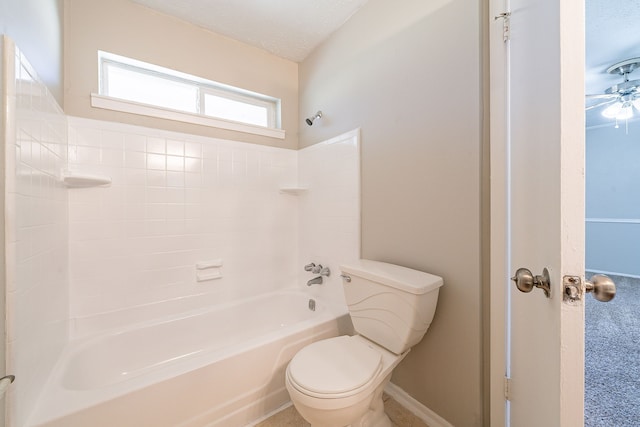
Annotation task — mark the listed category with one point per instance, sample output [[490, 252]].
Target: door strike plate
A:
[[571, 289]]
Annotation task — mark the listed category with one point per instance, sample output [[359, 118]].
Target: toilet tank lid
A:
[[396, 276]]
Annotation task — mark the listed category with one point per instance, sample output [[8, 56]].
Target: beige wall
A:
[[125, 28], [409, 74], [36, 27]]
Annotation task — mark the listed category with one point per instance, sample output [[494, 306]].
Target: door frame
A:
[[499, 181], [5, 51]]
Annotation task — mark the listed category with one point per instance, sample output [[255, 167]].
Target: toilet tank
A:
[[389, 304]]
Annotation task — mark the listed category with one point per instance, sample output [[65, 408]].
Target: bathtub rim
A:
[[57, 401], [77, 346]]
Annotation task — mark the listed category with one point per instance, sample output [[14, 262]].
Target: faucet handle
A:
[[319, 269]]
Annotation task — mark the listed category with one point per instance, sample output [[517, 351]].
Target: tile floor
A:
[[400, 417]]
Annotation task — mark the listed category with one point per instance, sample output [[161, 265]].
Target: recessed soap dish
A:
[[295, 191], [82, 180]]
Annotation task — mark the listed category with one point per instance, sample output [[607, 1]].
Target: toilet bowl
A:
[[339, 381]]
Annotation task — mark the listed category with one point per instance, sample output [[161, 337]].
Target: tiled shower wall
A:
[[36, 232], [329, 210], [175, 200]]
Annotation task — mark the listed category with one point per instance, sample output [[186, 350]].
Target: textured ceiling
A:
[[287, 28], [293, 28], [612, 35]]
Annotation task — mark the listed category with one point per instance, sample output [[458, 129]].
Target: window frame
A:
[[203, 87]]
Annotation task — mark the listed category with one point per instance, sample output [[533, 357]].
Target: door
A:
[[537, 217]]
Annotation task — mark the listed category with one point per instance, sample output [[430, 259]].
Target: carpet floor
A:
[[612, 357]]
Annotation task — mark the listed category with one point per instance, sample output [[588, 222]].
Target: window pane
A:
[[149, 89], [137, 81], [230, 109]]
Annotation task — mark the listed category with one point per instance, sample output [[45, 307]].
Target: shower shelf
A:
[[295, 191], [83, 180]]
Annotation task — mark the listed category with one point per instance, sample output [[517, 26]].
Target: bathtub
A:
[[216, 367]]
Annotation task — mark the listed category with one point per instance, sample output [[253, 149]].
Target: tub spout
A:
[[315, 281]]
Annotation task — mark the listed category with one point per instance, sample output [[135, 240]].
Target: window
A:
[[149, 85], [134, 85]]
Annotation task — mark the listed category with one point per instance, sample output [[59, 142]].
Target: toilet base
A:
[[373, 416]]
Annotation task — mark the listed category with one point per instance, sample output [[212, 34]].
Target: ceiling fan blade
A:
[[600, 104], [602, 96]]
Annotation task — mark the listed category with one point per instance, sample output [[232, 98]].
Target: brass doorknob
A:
[[526, 281], [601, 287]]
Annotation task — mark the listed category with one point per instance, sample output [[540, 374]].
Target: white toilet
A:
[[339, 381]]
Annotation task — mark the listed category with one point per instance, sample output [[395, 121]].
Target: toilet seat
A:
[[334, 368]]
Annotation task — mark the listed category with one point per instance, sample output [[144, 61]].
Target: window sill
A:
[[115, 104]]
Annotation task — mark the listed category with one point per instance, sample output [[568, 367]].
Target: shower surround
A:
[[175, 200], [178, 200], [87, 261], [36, 240]]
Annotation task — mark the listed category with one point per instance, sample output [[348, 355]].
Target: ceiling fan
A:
[[623, 97]]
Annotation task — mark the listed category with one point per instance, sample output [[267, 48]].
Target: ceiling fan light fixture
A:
[[620, 99], [612, 111], [619, 111]]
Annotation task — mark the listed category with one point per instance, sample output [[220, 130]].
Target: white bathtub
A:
[[220, 367]]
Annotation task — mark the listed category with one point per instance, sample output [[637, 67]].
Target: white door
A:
[[537, 168]]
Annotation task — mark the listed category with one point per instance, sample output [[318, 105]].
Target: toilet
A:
[[339, 381]]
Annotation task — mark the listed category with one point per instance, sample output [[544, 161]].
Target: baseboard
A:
[[417, 408], [612, 273]]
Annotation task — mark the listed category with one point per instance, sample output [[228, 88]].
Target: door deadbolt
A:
[[526, 281]]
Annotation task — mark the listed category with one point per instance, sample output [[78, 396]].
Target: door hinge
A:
[[506, 25], [507, 388]]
